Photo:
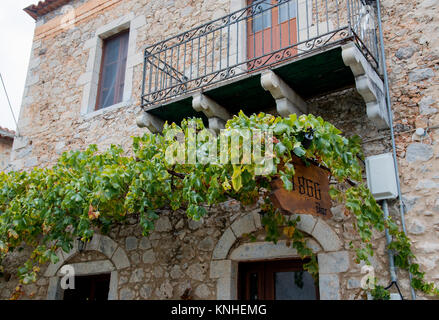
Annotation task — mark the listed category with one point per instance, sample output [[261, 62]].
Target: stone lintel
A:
[[287, 100], [152, 123], [369, 85]]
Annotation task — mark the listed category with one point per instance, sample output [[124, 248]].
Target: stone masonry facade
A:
[[199, 259]]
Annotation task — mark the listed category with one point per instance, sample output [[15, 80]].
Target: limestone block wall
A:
[[5, 152], [412, 51], [203, 256], [182, 254]]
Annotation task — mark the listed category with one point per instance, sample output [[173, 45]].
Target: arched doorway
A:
[[323, 240]]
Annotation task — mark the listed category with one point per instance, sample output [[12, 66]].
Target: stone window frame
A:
[[331, 257], [90, 79], [117, 260]]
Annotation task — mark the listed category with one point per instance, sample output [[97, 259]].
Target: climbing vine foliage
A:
[[48, 209]]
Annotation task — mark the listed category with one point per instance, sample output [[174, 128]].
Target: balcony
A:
[[272, 53]]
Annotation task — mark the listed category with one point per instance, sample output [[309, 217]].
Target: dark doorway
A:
[[275, 280], [89, 288]]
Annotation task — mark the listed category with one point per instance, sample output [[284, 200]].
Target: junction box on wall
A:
[[381, 179]]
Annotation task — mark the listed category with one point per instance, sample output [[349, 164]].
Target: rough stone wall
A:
[[177, 255], [5, 152], [412, 50]]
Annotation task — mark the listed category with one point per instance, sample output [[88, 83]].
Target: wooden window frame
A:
[[118, 91], [266, 284]]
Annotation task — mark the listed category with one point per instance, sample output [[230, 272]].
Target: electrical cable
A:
[[9, 102]]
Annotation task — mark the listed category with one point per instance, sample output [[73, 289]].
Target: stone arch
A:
[[224, 265], [117, 259]]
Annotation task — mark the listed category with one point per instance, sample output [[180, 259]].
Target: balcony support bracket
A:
[[216, 113], [369, 85], [152, 123], [287, 100]]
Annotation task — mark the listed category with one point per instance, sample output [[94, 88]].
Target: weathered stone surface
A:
[[329, 286], [51, 123], [31, 162], [197, 271], [225, 289], [353, 283], [338, 213], [221, 268], [120, 259], [194, 225], [418, 152], [409, 201], [327, 238], [107, 246], [244, 225], [137, 275], [91, 267], [176, 272], [334, 262], [148, 257], [146, 291], [405, 52], [165, 291], [163, 224], [428, 247], [131, 243], [224, 244], [262, 250], [416, 227], [421, 74], [306, 223], [145, 243], [135, 258], [425, 106], [207, 244], [202, 291], [426, 184], [126, 294]]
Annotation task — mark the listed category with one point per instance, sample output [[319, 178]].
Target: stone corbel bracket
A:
[[287, 101], [152, 123], [216, 114], [369, 85]]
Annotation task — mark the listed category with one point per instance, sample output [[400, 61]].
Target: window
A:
[[113, 65], [287, 11], [89, 288], [275, 280]]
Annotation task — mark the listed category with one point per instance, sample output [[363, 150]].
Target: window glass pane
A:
[[112, 50], [297, 285], [107, 97], [113, 70], [287, 11], [262, 17], [109, 75]]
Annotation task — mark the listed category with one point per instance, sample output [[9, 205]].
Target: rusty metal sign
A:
[[309, 195]]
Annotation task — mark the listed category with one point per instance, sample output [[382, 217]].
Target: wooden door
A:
[[271, 32], [275, 280]]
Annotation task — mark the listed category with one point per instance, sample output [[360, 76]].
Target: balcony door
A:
[[271, 31]]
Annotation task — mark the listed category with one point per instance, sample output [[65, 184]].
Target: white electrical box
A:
[[381, 178]]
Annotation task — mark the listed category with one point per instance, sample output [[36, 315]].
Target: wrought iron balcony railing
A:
[[261, 35]]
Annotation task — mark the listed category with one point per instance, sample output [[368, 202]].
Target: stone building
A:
[[6, 140], [93, 62]]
